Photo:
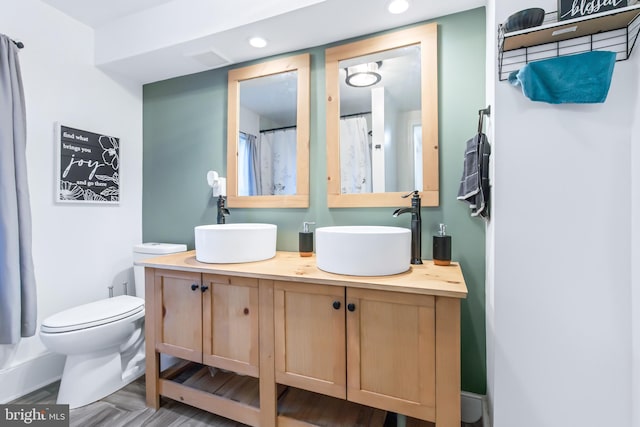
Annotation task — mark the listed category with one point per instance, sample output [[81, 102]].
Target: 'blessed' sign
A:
[[569, 9]]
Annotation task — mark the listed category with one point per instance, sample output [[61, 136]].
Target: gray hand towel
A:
[[474, 185]]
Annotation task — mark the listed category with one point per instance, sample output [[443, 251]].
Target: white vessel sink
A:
[[235, 243], [363, 250]]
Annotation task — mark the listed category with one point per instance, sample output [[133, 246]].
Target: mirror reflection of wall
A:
[[380, 150], [267, 135]]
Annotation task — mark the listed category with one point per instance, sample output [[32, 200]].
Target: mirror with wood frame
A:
[[382, 119], [268, 134]]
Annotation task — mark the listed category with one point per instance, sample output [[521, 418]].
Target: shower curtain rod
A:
[[364, 113], [275, 129], [19, 44]]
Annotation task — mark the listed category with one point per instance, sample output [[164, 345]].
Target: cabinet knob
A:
[[194, 287], [245, 311], [336, 305], [351, 307], [204, 288]]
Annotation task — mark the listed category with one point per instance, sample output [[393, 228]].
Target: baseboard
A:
[[472, 407], [486, 416], [29, 376]]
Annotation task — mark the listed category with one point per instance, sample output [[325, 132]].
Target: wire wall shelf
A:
[[615, 31]]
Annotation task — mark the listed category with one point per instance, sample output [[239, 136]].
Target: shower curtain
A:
[[355, 156], [17, 281], [278, 162], [248, 172]]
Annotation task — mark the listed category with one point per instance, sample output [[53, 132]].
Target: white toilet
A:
[[103, 340]]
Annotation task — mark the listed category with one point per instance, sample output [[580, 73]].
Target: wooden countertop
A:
[[426, 279]]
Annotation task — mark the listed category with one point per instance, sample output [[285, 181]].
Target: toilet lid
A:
[[93, 314]]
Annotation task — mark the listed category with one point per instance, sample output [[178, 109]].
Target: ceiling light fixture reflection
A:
[[257, 42], [363, 75], [398, 6]]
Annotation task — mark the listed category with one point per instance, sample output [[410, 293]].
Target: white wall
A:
[[635, 263], [490, 90], [405, 149], [249, 122], [203, 17], [78, 250], [378, 120], [558, 304]]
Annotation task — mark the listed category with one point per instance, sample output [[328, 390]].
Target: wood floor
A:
[[127, 408]]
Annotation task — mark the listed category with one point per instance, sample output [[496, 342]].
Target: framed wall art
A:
[[570, 9], [88, 166]]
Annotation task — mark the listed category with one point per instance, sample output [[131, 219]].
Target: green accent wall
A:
[[184, 125]]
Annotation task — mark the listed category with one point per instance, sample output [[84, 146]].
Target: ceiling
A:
[[151, 40]]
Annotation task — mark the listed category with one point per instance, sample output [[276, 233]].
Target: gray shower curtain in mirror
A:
[[277, 162], [17, 281], [356, 174]]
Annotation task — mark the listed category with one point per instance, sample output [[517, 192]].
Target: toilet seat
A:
[[93, 314]]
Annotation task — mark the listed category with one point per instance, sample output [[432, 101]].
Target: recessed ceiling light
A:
[[257, 42], [398, 6]]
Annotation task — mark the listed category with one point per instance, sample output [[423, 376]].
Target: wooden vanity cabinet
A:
[[390, 344], [210, 319], [389, 358]]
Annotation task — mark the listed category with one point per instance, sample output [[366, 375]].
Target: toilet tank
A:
[[150, 250]]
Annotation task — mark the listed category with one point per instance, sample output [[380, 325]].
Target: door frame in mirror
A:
[[301, 64], [427, 37]]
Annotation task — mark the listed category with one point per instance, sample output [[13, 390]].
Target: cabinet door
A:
[[178, 322], [230, 323], [391, 351], [310, 337]]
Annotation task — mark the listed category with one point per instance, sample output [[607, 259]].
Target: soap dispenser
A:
[[306, 240], [442, 247]]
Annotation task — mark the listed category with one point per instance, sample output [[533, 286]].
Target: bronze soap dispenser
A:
[[442, 247]]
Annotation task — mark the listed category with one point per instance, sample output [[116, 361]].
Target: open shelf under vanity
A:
[[227, 391]]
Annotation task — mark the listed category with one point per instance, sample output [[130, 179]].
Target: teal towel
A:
[[579, 79]]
